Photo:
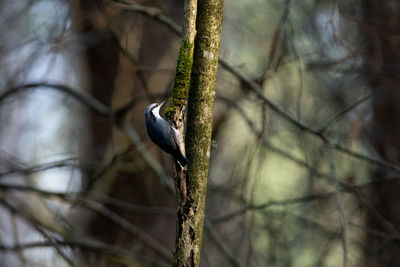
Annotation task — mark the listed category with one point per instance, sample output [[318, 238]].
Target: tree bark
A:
[[198, 134], [175, 111]]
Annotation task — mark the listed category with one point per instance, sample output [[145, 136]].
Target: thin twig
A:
[[37, 226], [212, 233], [269, 204], [70, 162], [132, 134], [105, 200], [15, 231], [150, 12], [345, 111], [81, 96], [84, 244], [127, 226]]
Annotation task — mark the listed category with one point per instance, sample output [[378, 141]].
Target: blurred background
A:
[[305, 148]]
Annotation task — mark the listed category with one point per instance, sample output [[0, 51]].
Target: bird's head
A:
[[153, 110]]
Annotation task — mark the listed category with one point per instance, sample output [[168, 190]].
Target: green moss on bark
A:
[[181, 82]]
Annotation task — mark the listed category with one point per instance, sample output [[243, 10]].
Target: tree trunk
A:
[[381, 29], [198, 134]]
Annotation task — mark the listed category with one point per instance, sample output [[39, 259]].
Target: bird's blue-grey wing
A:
[[178, 139]]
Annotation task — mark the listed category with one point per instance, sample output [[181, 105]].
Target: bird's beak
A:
[[162, 103]]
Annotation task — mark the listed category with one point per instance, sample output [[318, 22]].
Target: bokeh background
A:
[[305, 151]]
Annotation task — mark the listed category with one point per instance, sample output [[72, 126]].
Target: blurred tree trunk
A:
[[113, 79], [101, 54], [101, 60], [381, 30]]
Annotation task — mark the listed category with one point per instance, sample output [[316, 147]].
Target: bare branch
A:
[[130, 228], [268, 204], [212, 233], [87, 244], [81, 96], [340, 206]]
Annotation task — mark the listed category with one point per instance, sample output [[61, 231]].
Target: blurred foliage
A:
[[272, 196]]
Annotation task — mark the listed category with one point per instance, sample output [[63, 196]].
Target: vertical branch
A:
[[198, 133], [175, 111], [339, 204], [15, 230]]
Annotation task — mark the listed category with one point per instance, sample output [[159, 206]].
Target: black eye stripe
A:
[[152, 114], [151, 110]]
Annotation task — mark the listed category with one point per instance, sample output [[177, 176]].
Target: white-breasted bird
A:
[[163, 134]]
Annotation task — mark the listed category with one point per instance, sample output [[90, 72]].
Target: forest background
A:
[[305, 154]]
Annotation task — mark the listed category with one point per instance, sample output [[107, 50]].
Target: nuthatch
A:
[[163, 134]]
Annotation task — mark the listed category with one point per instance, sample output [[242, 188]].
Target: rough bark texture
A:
[[175, 111], [198, 134]]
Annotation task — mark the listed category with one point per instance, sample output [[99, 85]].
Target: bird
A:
[[163, 134]]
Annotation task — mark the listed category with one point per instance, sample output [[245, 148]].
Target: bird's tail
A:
[[182, 160]]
